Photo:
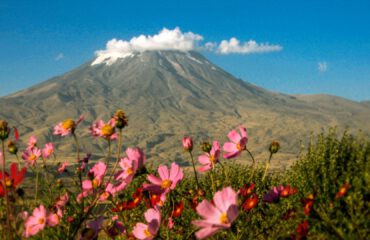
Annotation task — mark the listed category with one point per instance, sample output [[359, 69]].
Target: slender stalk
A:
[[37, 184], [267, 166], [253, 164], [212, 181], [109, 152], [79, 171], [225, 172], [118, 156], [195, 172], [6, 194]]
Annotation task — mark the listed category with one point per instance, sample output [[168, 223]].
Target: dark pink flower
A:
[[272, 195], [187, 143], [238, 143]]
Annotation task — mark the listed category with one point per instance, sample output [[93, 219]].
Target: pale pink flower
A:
[[31, 155], [53, 219], [136, 154], [129, 168], [36, 222], [238, 143], [167, 181], [219, 215], [105, 130], [62, 200], [32, 141], [187, 143], [170, 223], [63, 167], [97, 174], [67, 127], [48, 150], [148, 231], [208, 160]]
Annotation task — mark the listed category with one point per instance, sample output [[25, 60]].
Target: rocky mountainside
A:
[[169, 94]]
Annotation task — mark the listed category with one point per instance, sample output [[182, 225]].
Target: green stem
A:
[[118, 156], [79, 170], [267, 166], [6, 194], [253, 165], [37, 184], [212, 181], [225, 172], [195, 172]]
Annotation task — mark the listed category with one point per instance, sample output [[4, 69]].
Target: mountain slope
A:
[[169, 94]]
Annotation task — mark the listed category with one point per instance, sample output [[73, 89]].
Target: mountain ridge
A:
[[169, 94]]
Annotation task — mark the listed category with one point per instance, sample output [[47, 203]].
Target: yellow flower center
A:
[[41, 221], [166, 184], [95, 183], [68, 124], [147, 233], [107, 130], [223, 218], [8, 182], [238, 146], [129, 171], [212, 158], [33, 157]]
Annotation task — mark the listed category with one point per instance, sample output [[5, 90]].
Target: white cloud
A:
[[322, 66], [234, 46], [165, 40], [59, 57], [175, 39]]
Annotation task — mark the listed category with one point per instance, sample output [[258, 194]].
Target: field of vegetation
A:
[[325, 195]]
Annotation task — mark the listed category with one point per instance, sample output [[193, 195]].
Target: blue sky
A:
[[42, 39]]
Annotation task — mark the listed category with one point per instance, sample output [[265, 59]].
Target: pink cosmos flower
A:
[[167, 181], [62, 167], [36, 222], [67, 127], [208, 160], [32, 141], [97, 175], [148, 231], [62, 200], [105, 130], [219, 215], [48, 150], [136, 154], [54, 218], [237, 144], [187, 143], [129, 167], [31, 155]]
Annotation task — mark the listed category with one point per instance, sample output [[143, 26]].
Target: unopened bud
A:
[[187, 143], [206, 147], [274, 147], [4, 130], [201, 192], [59, 183], [12, 148], [120, 118]]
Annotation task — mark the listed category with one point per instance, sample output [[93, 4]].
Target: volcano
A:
[[169, 94]]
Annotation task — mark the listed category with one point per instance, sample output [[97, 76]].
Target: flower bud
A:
[[187, 143], [120, 118], [4, 130], [12, 148], [274, 147], [206, 147]]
